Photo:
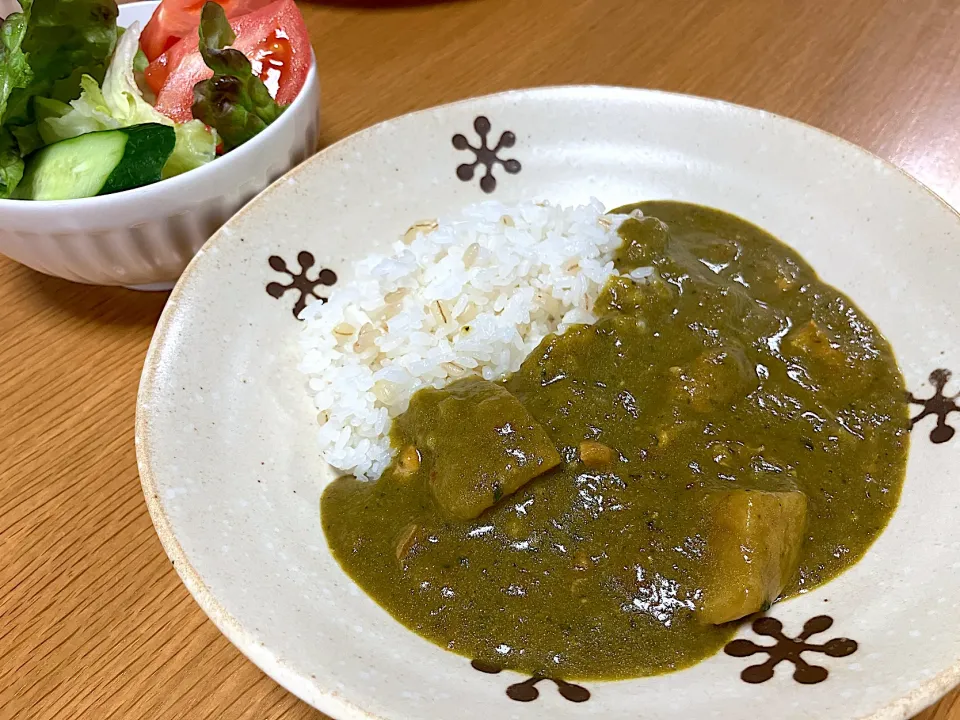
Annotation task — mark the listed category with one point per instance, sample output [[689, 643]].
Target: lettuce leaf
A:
[[44, 51], [234, 102], [120, 103], [11, 164], [15, 74], [196, 146], [63, 40]]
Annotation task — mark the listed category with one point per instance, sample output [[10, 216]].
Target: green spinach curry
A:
[[732, 431]]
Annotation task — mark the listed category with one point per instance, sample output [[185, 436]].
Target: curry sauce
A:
[[730, 432]]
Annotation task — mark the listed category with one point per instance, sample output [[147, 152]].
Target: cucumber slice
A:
[[148, 149], [98, 163]]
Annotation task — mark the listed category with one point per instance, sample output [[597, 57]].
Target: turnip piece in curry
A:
[[729, 433]]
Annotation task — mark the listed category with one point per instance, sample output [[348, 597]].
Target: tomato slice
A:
[[176, 19], [274, 38]]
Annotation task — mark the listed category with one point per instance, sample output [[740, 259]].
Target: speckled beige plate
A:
[[225, 433]]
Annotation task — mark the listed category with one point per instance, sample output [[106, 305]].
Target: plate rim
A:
[[330, 701]]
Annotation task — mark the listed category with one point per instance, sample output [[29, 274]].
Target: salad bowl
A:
[[144, 238]]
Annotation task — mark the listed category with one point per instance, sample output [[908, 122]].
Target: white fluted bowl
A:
[[144, 238]]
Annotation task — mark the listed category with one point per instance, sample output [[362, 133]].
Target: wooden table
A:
[[94, 622]]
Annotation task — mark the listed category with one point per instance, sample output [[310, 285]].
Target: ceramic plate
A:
[[226, 436]]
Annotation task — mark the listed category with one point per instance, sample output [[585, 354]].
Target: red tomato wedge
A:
[[176, 19], [274, 38]]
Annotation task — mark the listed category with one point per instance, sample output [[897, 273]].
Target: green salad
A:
[[79, 110]]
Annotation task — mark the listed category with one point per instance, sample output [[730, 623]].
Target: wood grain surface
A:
[[94, 622]]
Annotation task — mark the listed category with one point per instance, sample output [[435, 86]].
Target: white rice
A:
[[471, 294]]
